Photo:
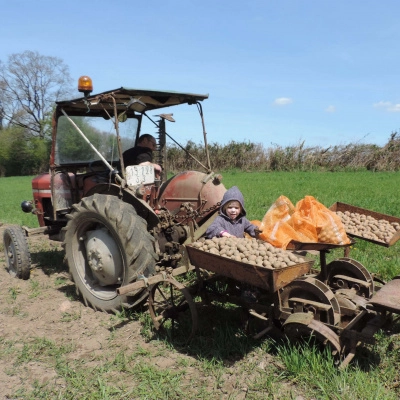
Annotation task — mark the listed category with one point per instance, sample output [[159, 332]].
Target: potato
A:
[[251, 251], [267, 264], [368, 227]]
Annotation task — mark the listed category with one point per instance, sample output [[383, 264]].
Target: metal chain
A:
[[189, 215]]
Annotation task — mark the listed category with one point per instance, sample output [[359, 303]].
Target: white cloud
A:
[[330, 109], [283, 101], [383, 104], [394, 108], [388, 106]]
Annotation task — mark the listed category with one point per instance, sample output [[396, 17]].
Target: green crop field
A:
[[376, 191], [13, 191]]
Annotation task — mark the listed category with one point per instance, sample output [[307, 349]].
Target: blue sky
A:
[[277, 72]]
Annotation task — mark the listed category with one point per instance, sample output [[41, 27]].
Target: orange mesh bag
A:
[[304, 228], [328, 226], [275, 228], [303, 220]]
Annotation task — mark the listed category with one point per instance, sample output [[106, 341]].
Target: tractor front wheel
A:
[[107, 246], [18, 256]]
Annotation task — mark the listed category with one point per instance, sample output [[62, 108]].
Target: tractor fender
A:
[[141, 207]]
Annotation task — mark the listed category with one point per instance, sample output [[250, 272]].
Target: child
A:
[[231, 221]]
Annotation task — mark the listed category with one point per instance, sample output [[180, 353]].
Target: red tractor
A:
[[117, 222]]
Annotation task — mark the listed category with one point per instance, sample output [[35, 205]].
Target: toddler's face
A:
[[233, 209]]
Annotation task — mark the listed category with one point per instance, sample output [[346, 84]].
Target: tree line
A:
[[21, 157], [30, 83]]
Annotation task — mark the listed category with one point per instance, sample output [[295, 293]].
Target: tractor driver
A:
[[142, 153]]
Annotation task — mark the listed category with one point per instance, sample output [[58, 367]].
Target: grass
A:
[[35, 289], [14, 191], [14, 291], [221, 362], [375, 191], [317, 372]]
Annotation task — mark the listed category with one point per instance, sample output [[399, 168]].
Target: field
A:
[[52, 346]]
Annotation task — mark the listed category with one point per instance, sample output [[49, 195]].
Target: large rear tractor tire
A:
[[107, 246], [16, 249]]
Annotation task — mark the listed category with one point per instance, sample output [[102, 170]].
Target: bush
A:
[[20, 154], [249, 156]]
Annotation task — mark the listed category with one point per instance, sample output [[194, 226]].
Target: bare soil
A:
[[39, 310]]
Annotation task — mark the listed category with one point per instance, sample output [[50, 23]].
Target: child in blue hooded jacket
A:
[[231, 220]]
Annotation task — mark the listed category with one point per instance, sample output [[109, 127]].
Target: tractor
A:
[[116, 222]]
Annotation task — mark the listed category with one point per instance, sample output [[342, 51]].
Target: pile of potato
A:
[[367, 226], [249, 251]]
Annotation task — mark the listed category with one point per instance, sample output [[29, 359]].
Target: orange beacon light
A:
[[85, 85]]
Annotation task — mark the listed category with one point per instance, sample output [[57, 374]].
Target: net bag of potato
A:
[[276, 227], [328, 226], [308, 222]]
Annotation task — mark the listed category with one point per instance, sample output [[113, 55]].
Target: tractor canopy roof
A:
[[139, 100]]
